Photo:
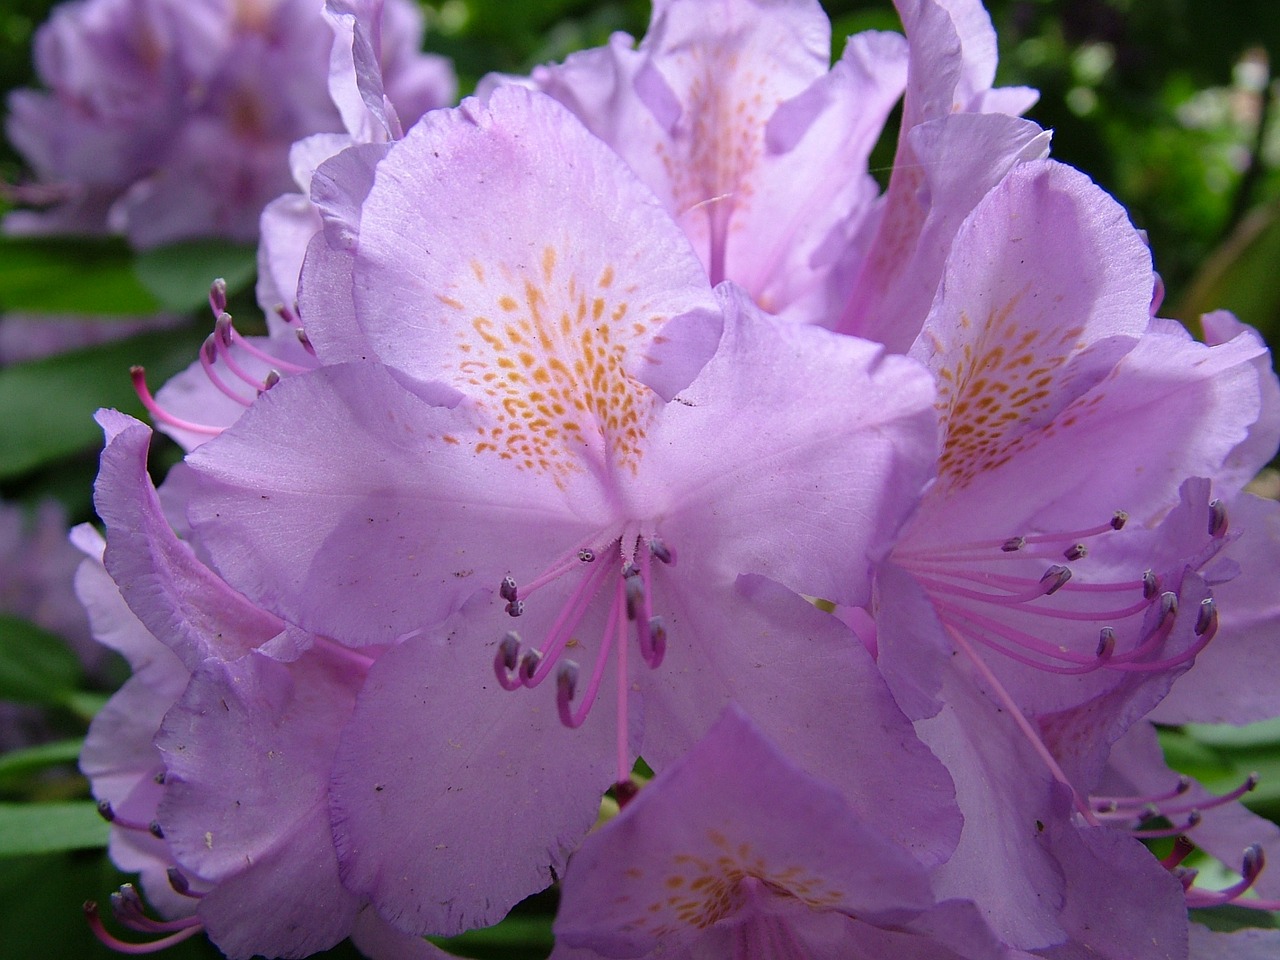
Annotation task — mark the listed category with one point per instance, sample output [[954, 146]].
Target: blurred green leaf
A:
[[17, 764], [65, 276], [1265, 734], [49, 403], [1241, 275], [515, 938], [179, 275], [35, 666], [27, 828]]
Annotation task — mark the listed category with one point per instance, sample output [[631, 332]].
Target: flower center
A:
[[623, 569]]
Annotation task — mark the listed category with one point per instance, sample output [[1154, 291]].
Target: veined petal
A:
[[452, 799], [175, 596], [799, 452], [411, 521]]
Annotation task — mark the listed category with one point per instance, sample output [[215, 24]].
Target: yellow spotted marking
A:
[[544, 353], [998, 382]]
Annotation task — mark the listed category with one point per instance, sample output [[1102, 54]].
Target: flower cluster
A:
[[917, 515], [171, 119]]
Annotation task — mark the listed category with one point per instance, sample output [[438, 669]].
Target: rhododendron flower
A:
[[530, 408], [1066, 551], [169, 119], [736, 852], [736, 118], [212, 761]]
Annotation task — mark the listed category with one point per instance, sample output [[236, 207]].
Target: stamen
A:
[[218, 296], [181, 885], [657, 645], [139, 377], [1150, 585], [305, 340], [1250, 869], [506, 660], [192, 927], [662, 552], [1192, 821], [1217, 519], [108, 813], [127, 907], [1182, 848], [225, 327], [1077, 551], [208, 355], [1056, 578]]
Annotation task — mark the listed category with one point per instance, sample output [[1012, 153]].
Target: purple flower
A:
[[170, 119], [735, 851], [212, 761], [1066, 562], [736, 121], [535, 413]]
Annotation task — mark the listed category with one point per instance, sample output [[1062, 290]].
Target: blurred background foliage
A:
[[1168, 104]]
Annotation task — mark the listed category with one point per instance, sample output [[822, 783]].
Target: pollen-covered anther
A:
[[656, 647], [586, 555], [1150, 585], [506, 660], [1217, 519], [529, 664], [634, 586], [1206, 617], [128, 909], [180, 884], [566, 687], [515, 608], [661, 551], [507, 589], [1119, 519], [1055, 578], [1077, 551]]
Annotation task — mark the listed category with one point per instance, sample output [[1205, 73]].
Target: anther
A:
[[155, 829], [635, 595], [1150, 585], [566, 681], [106, 811], [1169, 607], [657, 641], [1077, 551], [1207, 617], [218, 296], [661, 551], [1254, 861], [178, 880], [270, 380], [509, 650], [1106, 643], [586, 556], [1217, 519], [305, 341], [1055, 578], [506, 660], [507, 589], [515, 608], [529, 666], [1119, 519], [1013, 544], [159, 778]]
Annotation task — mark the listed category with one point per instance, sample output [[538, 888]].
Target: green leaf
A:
[[515, 938], [27, 828], [65, 276], [35, 666], [49, 403], [21, 763], [179, 275], [1241, 275], [1264, 734]]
